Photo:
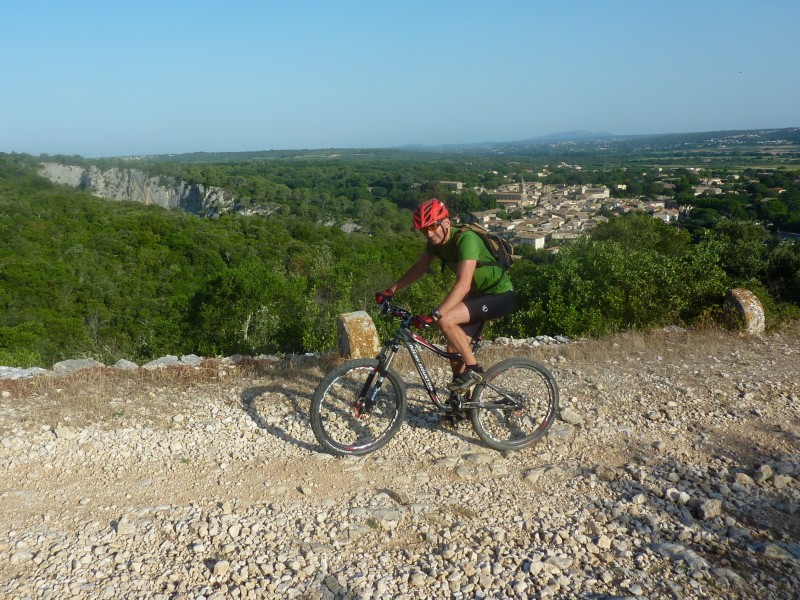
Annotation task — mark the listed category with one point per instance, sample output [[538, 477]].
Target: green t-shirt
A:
[[468, 245]]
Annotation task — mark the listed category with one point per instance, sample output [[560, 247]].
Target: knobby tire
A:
[[533, 387], [333, 409]]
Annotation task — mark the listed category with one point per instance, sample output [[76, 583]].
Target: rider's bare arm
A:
[[460, 289], [417, 270]]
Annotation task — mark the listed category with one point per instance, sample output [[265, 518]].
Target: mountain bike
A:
[[360, 404]]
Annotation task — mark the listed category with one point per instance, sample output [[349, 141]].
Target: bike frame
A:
[[411, 341], [513, 405]]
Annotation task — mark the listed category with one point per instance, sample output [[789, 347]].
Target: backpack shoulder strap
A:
[[481, 233]]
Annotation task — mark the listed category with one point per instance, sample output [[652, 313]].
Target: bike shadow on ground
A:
[[421, 413], [285, 408]]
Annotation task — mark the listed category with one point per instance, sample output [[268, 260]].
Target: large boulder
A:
[[358, 337], [68, 367], [748, 308]]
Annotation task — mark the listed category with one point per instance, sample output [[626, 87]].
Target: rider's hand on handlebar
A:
[[423, 321], [381, 297]]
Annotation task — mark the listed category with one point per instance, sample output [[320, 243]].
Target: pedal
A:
[[454, 402], [454, 419]]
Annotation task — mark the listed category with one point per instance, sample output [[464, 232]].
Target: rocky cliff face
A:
[[138, 186]]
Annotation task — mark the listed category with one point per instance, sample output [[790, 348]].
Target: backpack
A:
[[500, 248]]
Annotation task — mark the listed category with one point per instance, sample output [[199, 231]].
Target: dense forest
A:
[[80, 276], [367, 187]]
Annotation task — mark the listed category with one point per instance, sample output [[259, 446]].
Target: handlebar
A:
[[396, 311], [406, 316]]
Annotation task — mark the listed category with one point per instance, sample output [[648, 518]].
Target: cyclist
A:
[[481, 291]]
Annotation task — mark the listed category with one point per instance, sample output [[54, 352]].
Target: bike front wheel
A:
[[355, 411], [521, 398]]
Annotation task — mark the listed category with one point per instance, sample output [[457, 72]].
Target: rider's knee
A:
[[448, 322]]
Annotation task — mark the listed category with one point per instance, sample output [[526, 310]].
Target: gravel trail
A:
[[674, 472]]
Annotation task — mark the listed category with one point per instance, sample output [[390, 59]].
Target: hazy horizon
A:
[[558, 136]]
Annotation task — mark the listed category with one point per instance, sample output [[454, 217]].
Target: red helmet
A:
[[429, 212]]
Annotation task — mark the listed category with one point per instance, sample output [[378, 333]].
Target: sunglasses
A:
[[431, 228]]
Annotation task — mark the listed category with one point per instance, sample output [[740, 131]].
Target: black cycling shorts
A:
[[483, 307]]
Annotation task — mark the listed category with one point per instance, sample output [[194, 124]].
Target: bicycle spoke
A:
[[339, 424], [533, 392]]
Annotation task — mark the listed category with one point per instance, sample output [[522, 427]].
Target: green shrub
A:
[[617, 282]]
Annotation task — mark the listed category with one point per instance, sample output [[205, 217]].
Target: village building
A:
[[453, 185], [483, 217], [555, 213], [704, 189], [530, 238], [515, 196], [667, 215]]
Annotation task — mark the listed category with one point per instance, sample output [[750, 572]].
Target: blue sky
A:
[[109, 78]]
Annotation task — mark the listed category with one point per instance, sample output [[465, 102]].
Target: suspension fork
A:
[[368, 395]]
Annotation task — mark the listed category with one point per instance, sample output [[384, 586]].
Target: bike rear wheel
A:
[[534, 392], [338, 419]]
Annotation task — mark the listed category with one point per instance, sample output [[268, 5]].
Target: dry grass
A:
[[109, 397], [118, 398], [662, 344]]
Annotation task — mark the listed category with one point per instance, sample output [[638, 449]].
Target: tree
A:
[[783, 272], [597, 287], [744, 252], [246, 310], [639, 231]]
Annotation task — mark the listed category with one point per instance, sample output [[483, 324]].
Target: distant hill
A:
[[790, 135], [674, 148], [568, 136], [549, 145]]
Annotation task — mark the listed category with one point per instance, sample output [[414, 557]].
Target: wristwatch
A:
[[436, 314]]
